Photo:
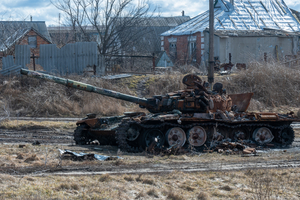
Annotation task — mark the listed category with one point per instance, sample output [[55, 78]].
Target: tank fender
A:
[[90, 122]]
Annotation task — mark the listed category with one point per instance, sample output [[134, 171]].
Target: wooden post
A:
[[33, 57], [153, 62]]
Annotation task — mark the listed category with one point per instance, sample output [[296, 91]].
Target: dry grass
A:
[[25, 96], [273, 84], [254, 183], [30, 124]]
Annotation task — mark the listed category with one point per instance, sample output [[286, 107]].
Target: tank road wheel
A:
[[287, 136], [81, 134], [262, 135], [152, 136], [196, 136], [176, 137]]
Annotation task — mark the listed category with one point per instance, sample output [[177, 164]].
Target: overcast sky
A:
[[43, 10]]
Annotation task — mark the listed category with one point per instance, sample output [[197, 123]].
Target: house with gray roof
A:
[[32, 33], [245, 29]]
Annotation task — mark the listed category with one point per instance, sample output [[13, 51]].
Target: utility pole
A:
[[211, 61], [59, 39]]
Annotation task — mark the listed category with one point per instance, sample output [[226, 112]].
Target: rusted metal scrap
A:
[[234, 148]]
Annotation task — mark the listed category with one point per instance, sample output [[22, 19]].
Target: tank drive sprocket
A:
[[124, 142], [80, 134], [287, 136]]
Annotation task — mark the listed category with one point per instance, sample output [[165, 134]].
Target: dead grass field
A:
[[245, 184], [30, 124]]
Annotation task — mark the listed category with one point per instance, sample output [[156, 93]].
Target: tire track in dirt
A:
[[44, 136], [183, 167]]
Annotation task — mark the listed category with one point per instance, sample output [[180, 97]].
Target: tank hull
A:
[[198, 130]]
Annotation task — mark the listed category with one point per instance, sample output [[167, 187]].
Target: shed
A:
[[32, 33], [163, 60]]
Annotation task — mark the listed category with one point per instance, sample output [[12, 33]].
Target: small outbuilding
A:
[[32, 33], [163, 60]]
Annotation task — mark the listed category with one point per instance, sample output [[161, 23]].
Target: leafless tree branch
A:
[[113, 20]]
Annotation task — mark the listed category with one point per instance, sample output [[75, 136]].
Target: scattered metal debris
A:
[[234, 148], [66, 154], [36, 143]]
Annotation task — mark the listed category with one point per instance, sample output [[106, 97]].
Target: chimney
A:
[[182, 12], [30, 18]]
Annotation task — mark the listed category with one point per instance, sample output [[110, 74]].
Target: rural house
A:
[[32, 33], [245, 29]]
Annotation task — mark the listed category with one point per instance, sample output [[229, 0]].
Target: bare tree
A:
[[108, 18]]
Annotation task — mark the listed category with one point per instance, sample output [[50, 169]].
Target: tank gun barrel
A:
[[85, 87]]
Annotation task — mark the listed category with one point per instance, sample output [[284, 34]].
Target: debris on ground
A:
[[66, 154], [95, 142], [165, 151], [36, 143], [227, 147]]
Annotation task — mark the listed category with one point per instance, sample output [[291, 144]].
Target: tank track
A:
[[124, 145], [79, 136], [121, 138]]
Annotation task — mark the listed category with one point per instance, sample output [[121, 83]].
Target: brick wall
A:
[[182, 47], [39, 41]]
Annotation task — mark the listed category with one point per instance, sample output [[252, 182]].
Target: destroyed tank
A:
[[192, 118]]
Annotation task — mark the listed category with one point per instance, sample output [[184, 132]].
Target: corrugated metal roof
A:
[[243, 15], [10, 31], [152, 21], [166, 21]]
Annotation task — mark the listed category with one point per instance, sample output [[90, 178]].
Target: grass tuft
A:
[[32, 158], [104, 178], [128, 178], [203, 196], [153, 192], [174, 196]]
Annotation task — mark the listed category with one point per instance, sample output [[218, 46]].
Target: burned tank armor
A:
[[192, 117]]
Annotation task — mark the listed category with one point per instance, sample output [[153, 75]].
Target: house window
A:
[[173, 46], [32, 41]]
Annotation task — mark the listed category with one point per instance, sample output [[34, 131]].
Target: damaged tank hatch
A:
[[193, 117]]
